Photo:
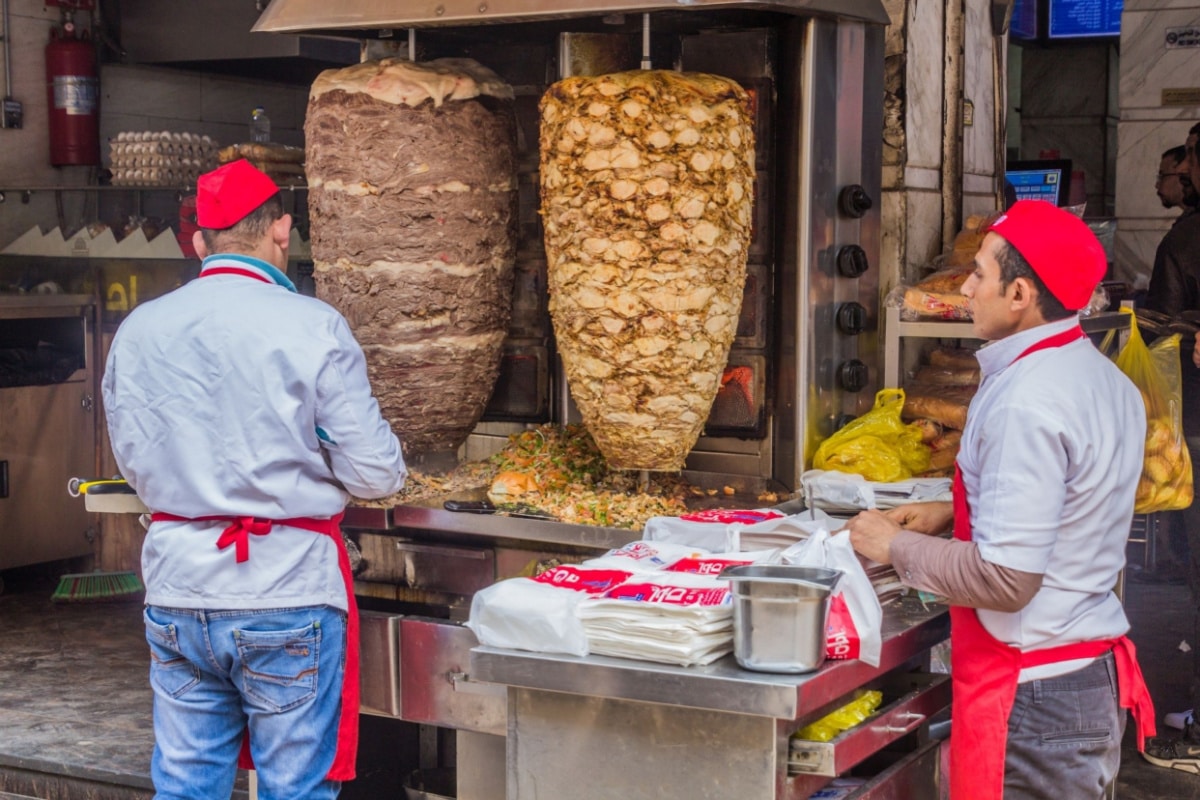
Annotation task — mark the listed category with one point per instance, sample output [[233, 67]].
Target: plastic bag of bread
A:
[[878, 445], [919, 304], [946, 405], [1166, 481]]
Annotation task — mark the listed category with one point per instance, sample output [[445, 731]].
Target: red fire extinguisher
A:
[[73, 93]]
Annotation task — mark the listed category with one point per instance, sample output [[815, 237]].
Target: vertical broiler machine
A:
[[804, 351]]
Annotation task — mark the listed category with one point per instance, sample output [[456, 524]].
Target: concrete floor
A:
[[75, 705]]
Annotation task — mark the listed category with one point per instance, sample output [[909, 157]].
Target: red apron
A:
[[984, 671], [238, 534]]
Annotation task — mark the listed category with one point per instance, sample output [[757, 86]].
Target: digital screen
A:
[[1040, 180], [1072, 19], [1023, 23]]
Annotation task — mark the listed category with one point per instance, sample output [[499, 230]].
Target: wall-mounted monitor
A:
[[1023, 22], [1042, 179], [1079, 19]]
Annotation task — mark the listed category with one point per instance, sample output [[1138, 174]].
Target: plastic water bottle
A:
[[260, 125]]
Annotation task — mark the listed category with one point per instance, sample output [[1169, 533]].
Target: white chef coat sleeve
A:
[[364, 454], [1022, 487]]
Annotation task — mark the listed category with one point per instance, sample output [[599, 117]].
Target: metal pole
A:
[[646, 41], [7, 49]]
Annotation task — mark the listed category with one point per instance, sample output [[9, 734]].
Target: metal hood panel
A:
[[154, 32], [290, 16]]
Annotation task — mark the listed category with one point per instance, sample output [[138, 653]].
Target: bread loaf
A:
[[948, 376], [946, 405], [954, 358], [947, 281]]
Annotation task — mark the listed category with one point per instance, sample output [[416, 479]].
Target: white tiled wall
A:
[[131, 98]]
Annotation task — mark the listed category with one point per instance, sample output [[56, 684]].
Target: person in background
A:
[[1175, 190], [241, 414], [1174, 185], [1042, 502], [1175, 288]]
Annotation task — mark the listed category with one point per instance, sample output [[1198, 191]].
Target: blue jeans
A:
[[277, 672], [1064, 735]]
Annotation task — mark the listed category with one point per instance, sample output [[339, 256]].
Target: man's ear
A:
[[199, 245], [1024, 295], [281, 231]]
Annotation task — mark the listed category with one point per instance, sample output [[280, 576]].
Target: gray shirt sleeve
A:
[[955, 570]]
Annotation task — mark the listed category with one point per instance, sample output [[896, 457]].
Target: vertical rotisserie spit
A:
[[647, 193], [412, 199]]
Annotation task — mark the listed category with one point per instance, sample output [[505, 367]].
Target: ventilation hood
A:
[[290, 16], [215, 36]]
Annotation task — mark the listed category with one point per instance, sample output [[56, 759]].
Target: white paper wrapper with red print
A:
[[539, 613], [669, 617], [854, 625]]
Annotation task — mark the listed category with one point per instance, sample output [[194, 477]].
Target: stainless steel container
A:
[[779, 616]]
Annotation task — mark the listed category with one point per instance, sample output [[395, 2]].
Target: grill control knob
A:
[[851, 318], [852, 375], [854, 201], [852, 261]]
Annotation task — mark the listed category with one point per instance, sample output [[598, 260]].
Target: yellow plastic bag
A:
[[1166, 482], [841, 719], [878, 445]]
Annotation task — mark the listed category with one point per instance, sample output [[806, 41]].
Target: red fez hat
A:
[[226, 195], [1059, 246]]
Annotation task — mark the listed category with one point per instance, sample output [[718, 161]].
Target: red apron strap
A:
[[1131, 685], [238, 534]]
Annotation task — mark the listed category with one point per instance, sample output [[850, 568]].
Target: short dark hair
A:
[[248, 230], [1194, 130], [1012, 266], [1177, 154]]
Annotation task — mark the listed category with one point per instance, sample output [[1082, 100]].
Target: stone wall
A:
[[913, 141], [1152, 119]]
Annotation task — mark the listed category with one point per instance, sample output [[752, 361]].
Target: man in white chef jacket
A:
[[241, 413], [1043, 499]]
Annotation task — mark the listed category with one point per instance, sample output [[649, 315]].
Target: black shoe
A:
[[1182, 754]]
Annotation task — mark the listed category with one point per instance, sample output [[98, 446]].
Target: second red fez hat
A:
[[226, 195], [1059, 246]]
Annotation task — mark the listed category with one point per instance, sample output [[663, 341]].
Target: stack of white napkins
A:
[[670, 617], [847, 493], [735, 530]]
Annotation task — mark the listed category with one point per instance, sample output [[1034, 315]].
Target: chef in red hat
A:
[[1043, 494], [241, 412]]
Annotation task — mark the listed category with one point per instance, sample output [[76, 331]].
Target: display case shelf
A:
[[896, 330]]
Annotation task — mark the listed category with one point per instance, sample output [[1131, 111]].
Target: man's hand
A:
[[1196, 352], [871, 534], [932, 518]]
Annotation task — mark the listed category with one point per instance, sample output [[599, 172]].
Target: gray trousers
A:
[[1064, 735], [1191, 519]]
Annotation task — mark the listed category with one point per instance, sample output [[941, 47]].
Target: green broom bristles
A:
[[86, 587]]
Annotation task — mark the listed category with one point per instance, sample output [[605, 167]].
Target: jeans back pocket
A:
[[279, 668], [170, 670]]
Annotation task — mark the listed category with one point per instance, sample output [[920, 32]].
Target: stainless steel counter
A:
[[909, 629], [612, 727]]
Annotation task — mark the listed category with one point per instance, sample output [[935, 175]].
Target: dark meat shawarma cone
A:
[[412, 199], [647, 194]]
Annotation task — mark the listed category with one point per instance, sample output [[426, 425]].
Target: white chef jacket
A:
[[1050, 460], [234, 395]]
